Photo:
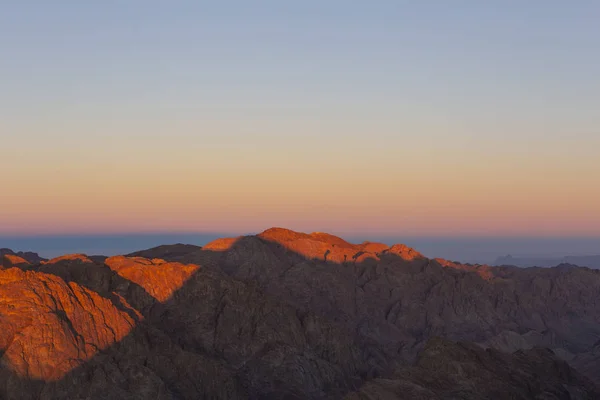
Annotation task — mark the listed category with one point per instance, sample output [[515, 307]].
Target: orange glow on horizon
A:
[[388, 191]]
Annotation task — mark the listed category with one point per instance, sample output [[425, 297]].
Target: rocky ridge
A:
[[287, 315], [26, 256]]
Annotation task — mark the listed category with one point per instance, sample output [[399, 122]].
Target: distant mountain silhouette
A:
[[582, 261], [288, 315], [166, 251]]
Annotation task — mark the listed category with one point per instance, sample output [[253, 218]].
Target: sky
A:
[[422, 118]]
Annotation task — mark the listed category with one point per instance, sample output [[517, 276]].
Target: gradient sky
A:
[[389, 117]]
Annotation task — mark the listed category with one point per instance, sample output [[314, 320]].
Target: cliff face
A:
[[50, 327], [288, 315]]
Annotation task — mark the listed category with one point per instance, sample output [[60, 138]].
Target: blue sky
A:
[[458, 95]]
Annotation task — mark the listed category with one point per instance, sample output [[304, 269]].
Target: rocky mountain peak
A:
[[292, 315]]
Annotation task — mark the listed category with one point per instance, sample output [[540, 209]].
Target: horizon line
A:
[[474, 235]]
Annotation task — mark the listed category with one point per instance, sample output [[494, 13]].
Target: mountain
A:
[[288, 315], [449, 370], [28, 256], [166, 251], [582, 261]]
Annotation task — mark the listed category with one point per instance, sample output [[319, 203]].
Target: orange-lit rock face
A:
[[324, 246], [50, 327], [70, 257], [405, 252], [158, 277], [315, 245], [10, 260], [221, 244], [483, 271]]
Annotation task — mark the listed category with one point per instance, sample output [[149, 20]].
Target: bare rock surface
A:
[[50, 327], [170, 251], [30, 257], [287, 315], [10, 260], [449, 370]]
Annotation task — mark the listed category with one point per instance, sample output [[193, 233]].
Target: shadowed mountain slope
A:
[[448, 370], [166, 251], [398, 298]]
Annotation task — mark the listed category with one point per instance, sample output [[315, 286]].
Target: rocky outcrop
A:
[[483, 271], [159, 278], [9, 260], [326, 247], [50, 327]]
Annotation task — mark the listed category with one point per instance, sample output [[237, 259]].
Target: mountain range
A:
[[288, 315], [583, 261]]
